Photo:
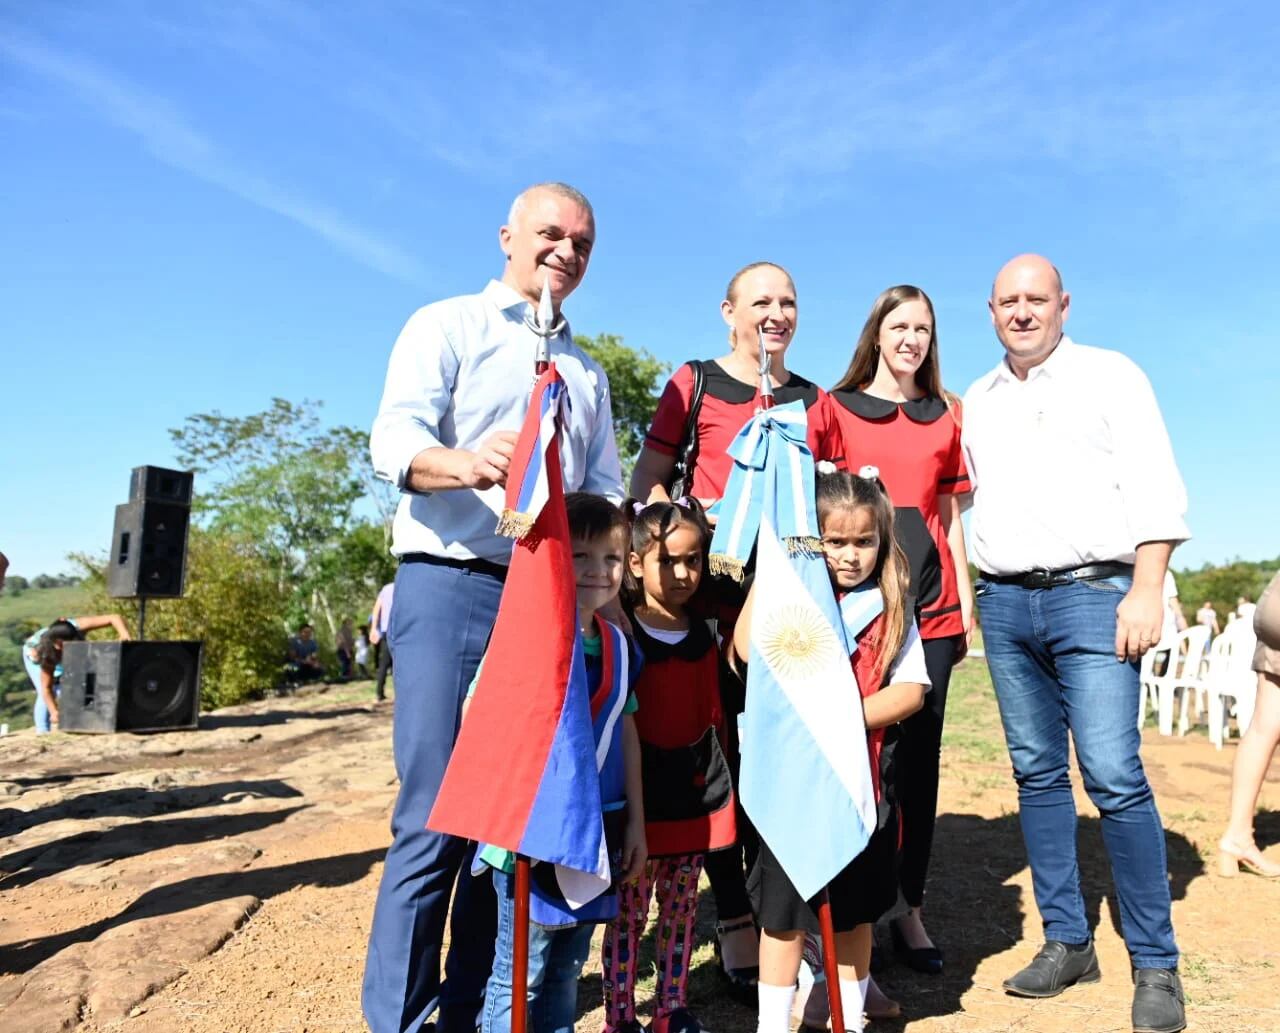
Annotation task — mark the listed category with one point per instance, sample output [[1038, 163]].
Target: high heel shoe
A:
[[926, 960], [742, 981], [1232, 857]]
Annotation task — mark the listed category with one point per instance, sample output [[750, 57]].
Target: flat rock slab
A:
[[126, 859]]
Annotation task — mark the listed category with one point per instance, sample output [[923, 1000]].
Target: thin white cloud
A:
[[173, 140]]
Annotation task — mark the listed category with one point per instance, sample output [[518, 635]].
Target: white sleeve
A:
[[603, 475], [1152, 490], [417, 395], [909, 666]]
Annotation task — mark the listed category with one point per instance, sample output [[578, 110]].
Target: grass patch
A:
[[44, 604], [972, 731]]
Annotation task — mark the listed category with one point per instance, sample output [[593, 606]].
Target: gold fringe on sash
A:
[[727, 566], [514, 524], [804, 545]]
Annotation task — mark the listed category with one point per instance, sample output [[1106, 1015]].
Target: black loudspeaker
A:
[[148, 550], [129, 686], [156, 484]]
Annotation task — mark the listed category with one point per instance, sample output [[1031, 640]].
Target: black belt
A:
[[476, 566], [1056, 578]]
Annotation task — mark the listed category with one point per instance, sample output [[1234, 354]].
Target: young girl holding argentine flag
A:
[[869, 574]]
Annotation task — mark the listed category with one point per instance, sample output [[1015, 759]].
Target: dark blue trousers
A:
[[440, 624]]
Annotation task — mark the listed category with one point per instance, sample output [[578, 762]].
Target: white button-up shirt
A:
[[1071, 466], [462, 369]]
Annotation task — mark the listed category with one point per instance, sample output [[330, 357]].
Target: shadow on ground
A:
[[264, 718], [23, 867], [1266, 828], [974, 914], [262, 883], [139, 802]]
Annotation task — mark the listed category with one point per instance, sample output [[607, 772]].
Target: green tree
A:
[[15, 584], [283, 481], [634, 380], [1223, 585]]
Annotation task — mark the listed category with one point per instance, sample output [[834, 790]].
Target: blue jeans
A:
[[1052, 657], [40, 714], [440, 624], [556, 957]]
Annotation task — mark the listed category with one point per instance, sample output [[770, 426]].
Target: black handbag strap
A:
[[682, 474]]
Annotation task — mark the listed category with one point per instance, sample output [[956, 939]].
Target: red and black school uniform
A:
[[689, 810], [916, 446], [727, 403], [867, 887]]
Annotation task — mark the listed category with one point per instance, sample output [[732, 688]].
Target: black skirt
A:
[[863, 891]]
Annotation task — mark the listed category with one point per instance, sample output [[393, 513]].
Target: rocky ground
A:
[[223, 880]]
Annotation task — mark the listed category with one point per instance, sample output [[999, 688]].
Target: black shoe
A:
[[681, 1020], [1055, 968], [1158, 1003], [742, 981], [927, 960]]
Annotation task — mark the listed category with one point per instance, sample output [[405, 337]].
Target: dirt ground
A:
[[223, 880]]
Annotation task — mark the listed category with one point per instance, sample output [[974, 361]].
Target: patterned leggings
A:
[[676, 882]]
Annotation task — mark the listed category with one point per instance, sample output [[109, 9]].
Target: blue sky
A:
[[203, 205]]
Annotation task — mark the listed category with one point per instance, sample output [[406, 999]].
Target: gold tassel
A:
[[804, 545], [514, 524], [727, 566]]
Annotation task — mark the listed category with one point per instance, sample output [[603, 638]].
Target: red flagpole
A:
[[520, 949], [829, 965]]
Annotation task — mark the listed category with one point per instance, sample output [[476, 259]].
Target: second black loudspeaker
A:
[[148, 550], [129, 686]]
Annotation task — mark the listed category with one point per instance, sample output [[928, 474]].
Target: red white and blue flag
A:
[[523, 775]]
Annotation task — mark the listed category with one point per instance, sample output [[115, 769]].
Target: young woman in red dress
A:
[[893, 413], [761, 311]]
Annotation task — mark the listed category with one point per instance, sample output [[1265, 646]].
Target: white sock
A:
[[774, 1008], [853, 1000]]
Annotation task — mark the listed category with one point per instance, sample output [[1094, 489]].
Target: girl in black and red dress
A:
[[893, 413], [761, 311], [688, 793], [868, 573]]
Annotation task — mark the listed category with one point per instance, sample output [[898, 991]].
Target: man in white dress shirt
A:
[[456, 393], [1077, 505]]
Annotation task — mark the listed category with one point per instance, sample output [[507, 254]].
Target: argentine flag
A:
[[806, 774]]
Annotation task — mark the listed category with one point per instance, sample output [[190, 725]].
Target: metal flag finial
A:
[[541, 323], [766, 384]]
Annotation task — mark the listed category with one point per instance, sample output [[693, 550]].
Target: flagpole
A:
[[829, 965], [766, 385], [520, 949], [542, 326]]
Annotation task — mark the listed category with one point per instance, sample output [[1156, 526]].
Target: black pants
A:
[[727, 869], [918, 751], [384, 665]]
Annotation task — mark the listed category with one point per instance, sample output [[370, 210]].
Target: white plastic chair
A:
[[1230, 677], [1147, 687], [1184, 652], [1189, 675]]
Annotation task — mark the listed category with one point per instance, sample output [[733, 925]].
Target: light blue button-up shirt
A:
[[461, 370]]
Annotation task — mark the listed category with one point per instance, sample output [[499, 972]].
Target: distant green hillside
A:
[[43, 604], [19, 615]]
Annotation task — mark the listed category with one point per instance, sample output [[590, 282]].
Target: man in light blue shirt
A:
[[457, 389]]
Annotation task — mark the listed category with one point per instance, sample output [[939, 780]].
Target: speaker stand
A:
[[142, 618]]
